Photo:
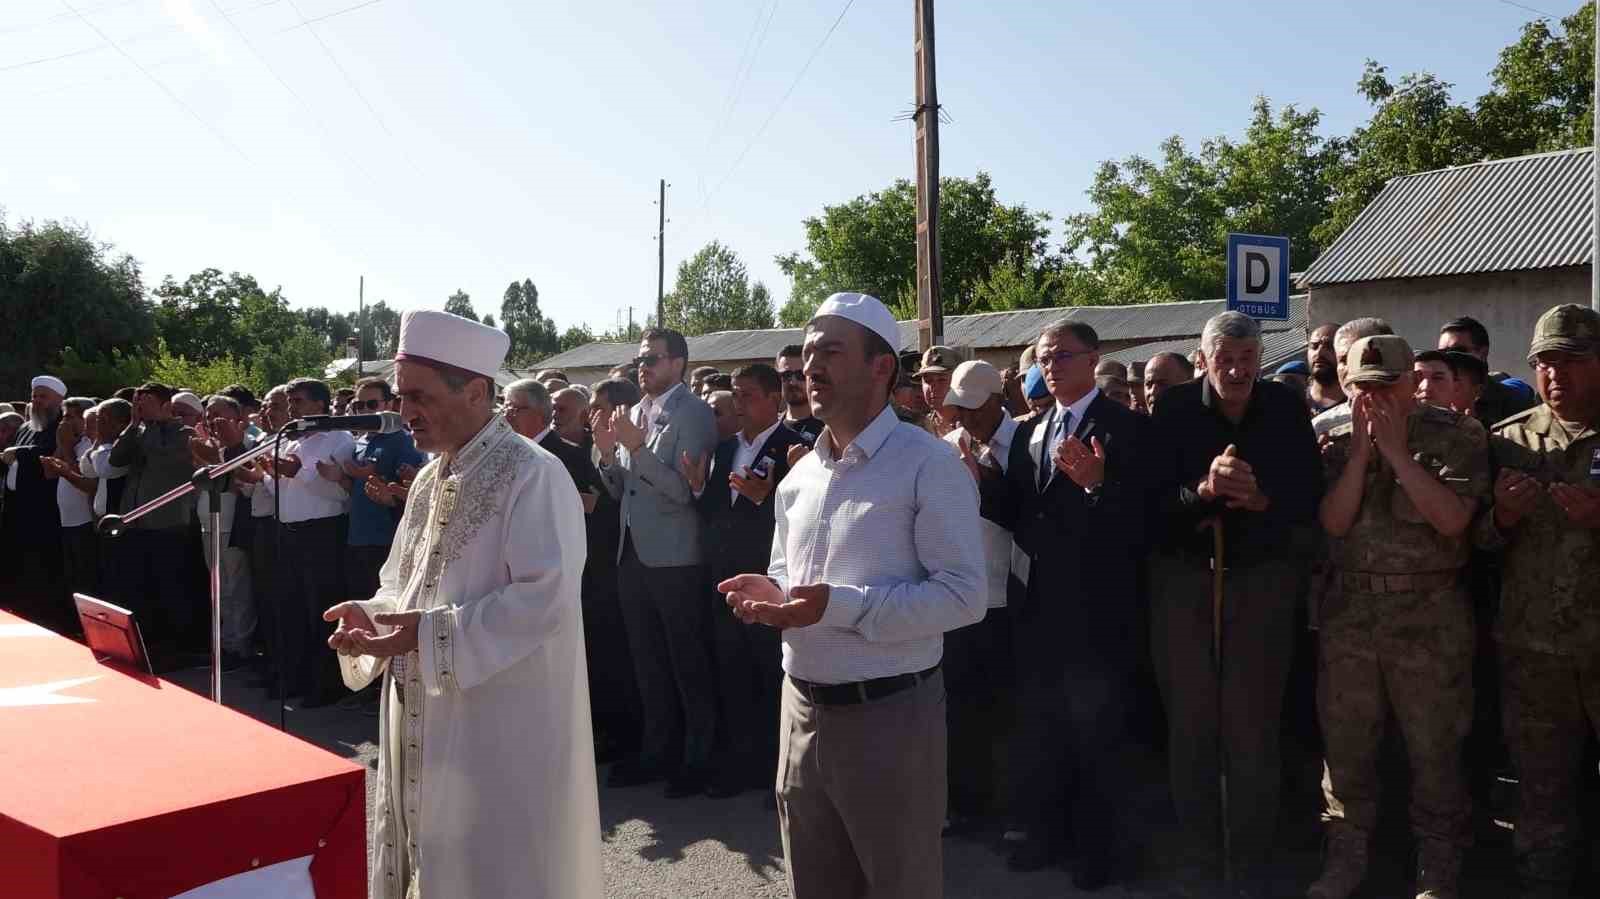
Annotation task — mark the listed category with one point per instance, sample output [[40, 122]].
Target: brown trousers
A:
[[861, 795]]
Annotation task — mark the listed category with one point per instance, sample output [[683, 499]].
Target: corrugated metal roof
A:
[[990, 330], [1528, 212], [1277, 347]]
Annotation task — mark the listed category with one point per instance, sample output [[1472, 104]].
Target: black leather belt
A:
[[860, 691]]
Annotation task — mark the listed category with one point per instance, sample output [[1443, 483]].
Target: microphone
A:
[[381, 423]]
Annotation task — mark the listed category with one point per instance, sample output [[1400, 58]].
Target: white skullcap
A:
[[865, 311], [185, 398], [51, 382], [428, 335]]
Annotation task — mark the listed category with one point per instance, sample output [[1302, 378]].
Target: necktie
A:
[[1047, 466]]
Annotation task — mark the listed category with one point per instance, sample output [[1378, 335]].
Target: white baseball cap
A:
[[972, 384]]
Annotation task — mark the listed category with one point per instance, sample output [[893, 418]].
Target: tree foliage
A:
[[713, 293], [868, 244], [459, 303], [533, 334], [60, 288]]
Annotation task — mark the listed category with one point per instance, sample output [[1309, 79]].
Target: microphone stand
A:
[[208, 479]]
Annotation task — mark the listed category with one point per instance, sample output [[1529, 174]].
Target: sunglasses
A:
[[648, 360], [369, 405], [792, 374]]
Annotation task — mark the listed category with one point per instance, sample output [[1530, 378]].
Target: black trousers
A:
[[613, 689], [663, 610], [1068, 768], [80, 561], [34, 588], [749, 668], [263, 583], [309, 581], [980, 682], [361, 567], [153, 578]]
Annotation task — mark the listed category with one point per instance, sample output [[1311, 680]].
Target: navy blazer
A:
[[737, 532]]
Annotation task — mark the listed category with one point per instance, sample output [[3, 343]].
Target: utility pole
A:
[[930, 315], [361, 322], [661, 258]]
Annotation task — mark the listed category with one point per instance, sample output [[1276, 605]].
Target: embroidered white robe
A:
[[486, 780]]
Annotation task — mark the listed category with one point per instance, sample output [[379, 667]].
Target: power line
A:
[[336, 64], [157, 82], [1541, 12], [323, 18], [134, 39], [746, 65], [779, 106]]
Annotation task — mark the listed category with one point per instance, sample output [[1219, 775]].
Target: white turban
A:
[[51, 383]]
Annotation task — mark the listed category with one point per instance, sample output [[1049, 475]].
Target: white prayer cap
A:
[[865, 311], [185, 398], [428, 335], [972, 385], [52, 383]]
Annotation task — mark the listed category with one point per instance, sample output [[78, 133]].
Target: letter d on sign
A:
[[1257, 273]]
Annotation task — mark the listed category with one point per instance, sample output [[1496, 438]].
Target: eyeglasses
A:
[[1059, 357], [793, 374], [1555, 360], [648, 360], [369, 405], [514, 410]]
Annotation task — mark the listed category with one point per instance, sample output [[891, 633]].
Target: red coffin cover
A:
[[146, 790]]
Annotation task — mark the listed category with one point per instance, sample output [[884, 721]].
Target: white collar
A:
[[539, 438], [660, 402], [761, 438], [1001, 441], [1080, 406]]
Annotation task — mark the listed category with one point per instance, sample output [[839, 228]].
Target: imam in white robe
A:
[[486, 779]]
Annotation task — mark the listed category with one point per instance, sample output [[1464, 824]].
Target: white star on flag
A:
[[43, 694]]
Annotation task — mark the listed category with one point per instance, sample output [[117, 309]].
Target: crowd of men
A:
[[1181, 523]]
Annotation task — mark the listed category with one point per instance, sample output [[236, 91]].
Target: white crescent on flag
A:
[[43, 694]]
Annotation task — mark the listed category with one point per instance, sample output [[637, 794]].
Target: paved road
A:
[[729, 849]]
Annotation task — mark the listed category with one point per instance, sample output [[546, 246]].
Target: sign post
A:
[[1258, 276]]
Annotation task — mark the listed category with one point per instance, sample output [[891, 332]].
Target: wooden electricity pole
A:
[[661, 258], [361, 323], [930, 315]]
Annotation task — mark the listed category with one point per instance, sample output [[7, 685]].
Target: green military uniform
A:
[[1549, 627], [1397, 633]]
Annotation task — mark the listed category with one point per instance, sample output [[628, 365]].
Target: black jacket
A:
[[1084, 550], [602, 526], [737, 533]]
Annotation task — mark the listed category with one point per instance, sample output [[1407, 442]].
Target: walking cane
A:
[[1217, 574]]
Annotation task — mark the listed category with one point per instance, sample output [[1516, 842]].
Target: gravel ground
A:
[[666, 849]]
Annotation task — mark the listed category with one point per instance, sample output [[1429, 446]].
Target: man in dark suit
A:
[[1073, 498], [735, 501], [32, 522]]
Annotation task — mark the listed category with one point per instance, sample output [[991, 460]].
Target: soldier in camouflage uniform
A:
[[1398, 633], [1546, 519]]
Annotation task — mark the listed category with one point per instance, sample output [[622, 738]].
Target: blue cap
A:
[[1294, 367], [1519, 385], [1033, 385]]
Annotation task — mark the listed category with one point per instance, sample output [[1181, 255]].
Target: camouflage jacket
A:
[[1390, 535], [1550, 592]]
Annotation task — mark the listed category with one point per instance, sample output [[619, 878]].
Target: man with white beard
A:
[[486, 779], [32, 524]]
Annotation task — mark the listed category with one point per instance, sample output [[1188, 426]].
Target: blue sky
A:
[[441, 145]]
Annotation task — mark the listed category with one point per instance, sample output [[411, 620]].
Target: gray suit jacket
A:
[[657, 507]]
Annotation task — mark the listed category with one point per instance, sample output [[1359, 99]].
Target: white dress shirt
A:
[[1057, 435], [891, 525], [650, 407], [308, 495], [96, 463], [744, 455], [997, 544], [76, 507]]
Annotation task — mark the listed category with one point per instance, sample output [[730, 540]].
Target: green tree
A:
[[713, 293], [459, 303], [533, 335], [298, 354], [383, 332], [203, 377], [1158, 227], [488, 319], [575, 336], [1542, 93], [100, 375], [334, 328], [1415, 127], [211, 315], [59, 288], [869, 244]]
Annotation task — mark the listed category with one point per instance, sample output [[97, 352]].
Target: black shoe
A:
[[1092, 873], [1030, 855], [724, 788], [686, 784], [631, 773]]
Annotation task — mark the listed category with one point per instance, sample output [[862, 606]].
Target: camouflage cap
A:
[[1567, 328], [1379, 359], [938, 359]]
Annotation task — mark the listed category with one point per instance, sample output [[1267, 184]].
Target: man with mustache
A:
[[32, 524], [1323, 391]]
